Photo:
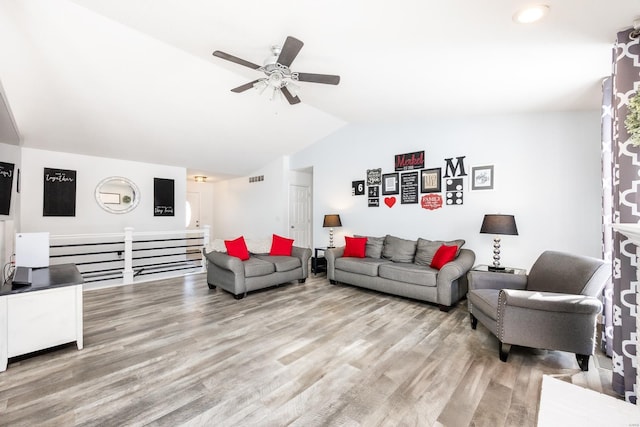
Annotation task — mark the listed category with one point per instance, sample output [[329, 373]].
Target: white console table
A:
[[45, 314], [632, 231]]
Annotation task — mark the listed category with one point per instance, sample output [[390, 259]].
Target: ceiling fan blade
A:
[[244, 86], [319, 78], [289, 51], [292, 99], [235, 59]]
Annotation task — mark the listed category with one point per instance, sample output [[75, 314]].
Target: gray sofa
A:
[[401, 267], [258, 272]]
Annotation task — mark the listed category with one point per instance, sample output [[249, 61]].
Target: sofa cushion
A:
[[281, 263], [237, 248], [426, 249], [398, 250], [281, 246], [366, 266], [443, 255], [409, 273], [486, 300], [355, 247], [254, 267], [373, 249]]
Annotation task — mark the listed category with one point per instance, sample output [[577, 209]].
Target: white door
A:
[[193, 210], [300, 215]]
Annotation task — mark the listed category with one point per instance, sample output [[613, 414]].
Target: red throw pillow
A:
[[355, 247], [237, 248], [443, 255], [281, 246]]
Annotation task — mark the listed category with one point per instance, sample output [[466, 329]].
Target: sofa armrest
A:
[[456, 268], [225, 261], [493, 280], [449, 273], [304, 254], [548, 320], [550, 301], [331, 254]]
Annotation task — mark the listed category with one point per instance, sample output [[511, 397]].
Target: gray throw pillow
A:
[[398, 250], [374, 246], [426, 249]]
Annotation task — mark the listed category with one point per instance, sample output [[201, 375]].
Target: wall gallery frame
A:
[[390, 184], [431, 180], [482, 177]]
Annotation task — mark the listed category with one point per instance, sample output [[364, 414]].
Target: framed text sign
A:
[[163, 197], [409, 188], [6, 185], [374, 176], [59, 192], [431, 180], [409, 161]]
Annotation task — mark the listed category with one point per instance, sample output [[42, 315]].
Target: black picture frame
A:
[[357, 188], [6, 186], [409, 188], [59, 195], [390, 183], [163, 197], [431, 180]]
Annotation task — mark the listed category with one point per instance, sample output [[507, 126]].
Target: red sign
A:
[[431, 201]]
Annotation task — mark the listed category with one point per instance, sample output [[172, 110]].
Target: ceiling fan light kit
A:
[[279, 77]]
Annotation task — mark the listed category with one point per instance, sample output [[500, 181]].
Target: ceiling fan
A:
[[279, 77]]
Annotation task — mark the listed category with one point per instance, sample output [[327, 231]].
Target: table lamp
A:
[[498, 224], [331, 221]]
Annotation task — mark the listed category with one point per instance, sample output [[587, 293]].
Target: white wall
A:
[[547, 174], [90, 218], [253, 210]]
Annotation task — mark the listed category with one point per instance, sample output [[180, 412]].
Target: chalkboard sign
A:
[[163, 197], [409, 188], [59, 192], [374, 176], [6, 184]]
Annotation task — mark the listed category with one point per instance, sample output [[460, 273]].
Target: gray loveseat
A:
[[402, 267], [258, 272]]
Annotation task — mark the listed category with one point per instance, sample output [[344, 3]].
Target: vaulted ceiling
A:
[[136, 79]]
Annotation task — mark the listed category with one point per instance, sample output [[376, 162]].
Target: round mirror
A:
[[116, 194]]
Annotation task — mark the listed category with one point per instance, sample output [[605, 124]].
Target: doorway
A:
[[193, 210], [300, 215]]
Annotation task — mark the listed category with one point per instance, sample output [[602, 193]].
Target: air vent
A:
[[256, 178]]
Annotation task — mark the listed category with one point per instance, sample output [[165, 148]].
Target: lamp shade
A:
[[332, 221], [499, 224]]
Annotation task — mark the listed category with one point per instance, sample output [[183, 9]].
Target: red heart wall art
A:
[[390, 201]]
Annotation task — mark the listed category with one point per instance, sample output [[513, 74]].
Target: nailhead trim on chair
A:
[[500, 333]]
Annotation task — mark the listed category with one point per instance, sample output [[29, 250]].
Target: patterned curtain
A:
[[626, 179], [607, 210]]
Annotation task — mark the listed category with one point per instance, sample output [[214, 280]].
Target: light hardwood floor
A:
[[173, 352]]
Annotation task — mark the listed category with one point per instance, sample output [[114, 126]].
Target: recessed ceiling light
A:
[[531, 14]]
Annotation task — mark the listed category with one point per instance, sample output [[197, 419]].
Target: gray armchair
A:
[[555, 307]]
